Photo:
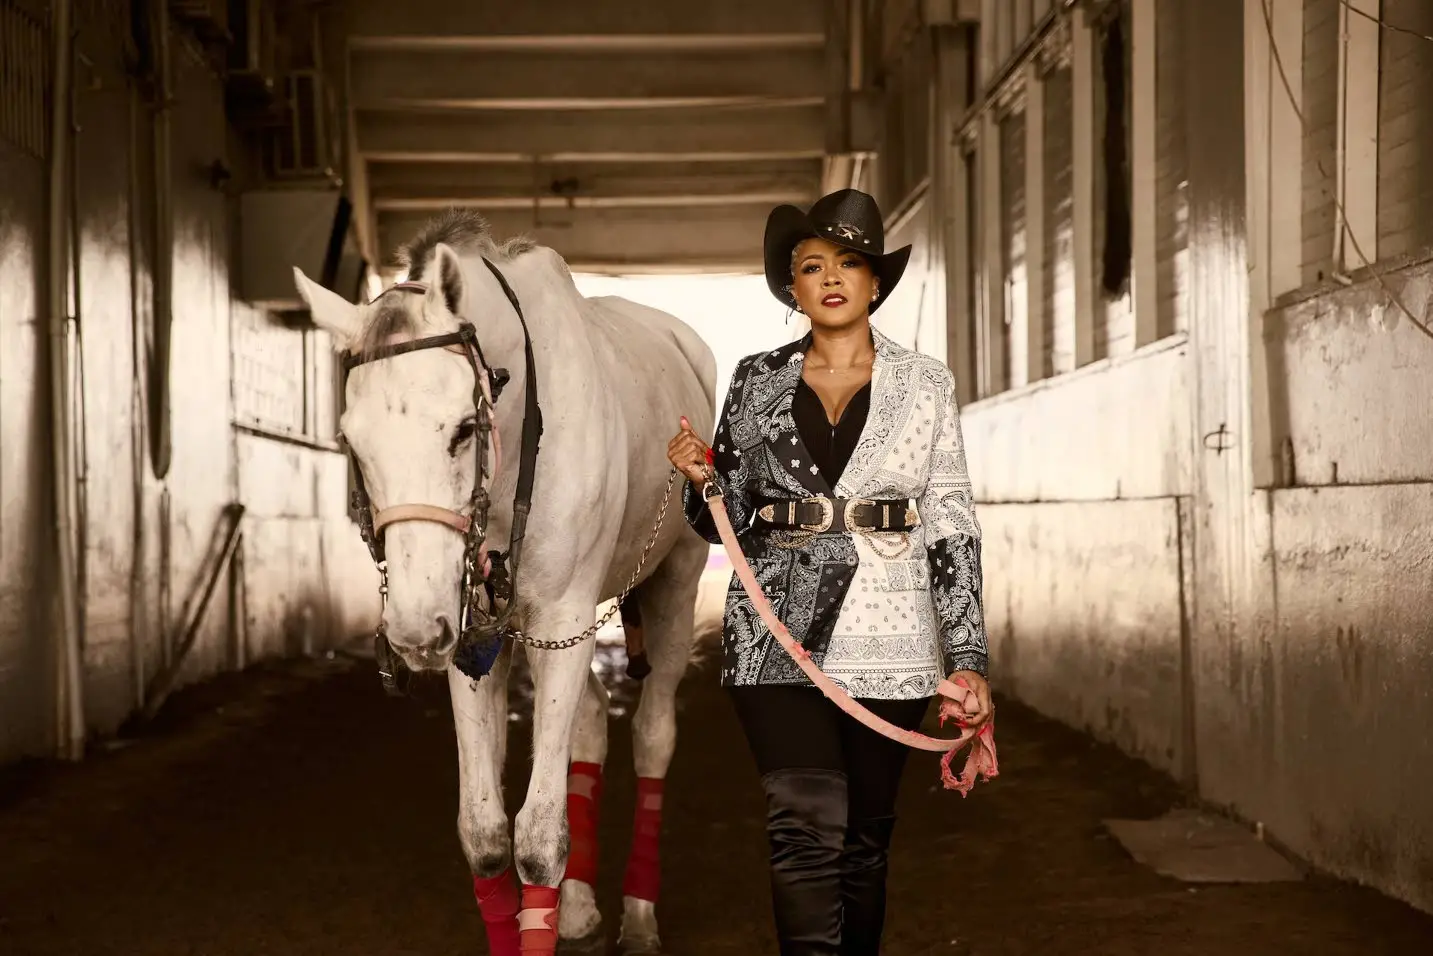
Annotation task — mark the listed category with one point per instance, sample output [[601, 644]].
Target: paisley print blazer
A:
[[885, 615]]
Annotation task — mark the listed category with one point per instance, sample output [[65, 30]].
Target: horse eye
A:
[[463, 435]]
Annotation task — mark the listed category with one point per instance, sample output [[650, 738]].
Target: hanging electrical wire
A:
[[1384, 24], [1264, 7]]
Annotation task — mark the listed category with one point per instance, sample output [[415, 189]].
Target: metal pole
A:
[[70, 713]]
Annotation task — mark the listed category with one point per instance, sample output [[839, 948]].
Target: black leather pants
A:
[[806, 824], [831, 788], [863, 885]]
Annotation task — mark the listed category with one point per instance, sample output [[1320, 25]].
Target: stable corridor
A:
[[294, 810]]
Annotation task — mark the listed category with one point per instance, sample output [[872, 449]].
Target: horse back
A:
[[666, 356]]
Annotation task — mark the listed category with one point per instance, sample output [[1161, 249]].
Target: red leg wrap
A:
[[584, 795], [498, 902], [538, 920], [644, 871]]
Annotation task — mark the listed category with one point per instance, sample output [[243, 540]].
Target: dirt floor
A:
[[295, 811]]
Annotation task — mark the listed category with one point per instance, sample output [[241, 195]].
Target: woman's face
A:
[[833, 285]]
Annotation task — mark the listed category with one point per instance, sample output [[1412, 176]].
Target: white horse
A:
[[613, 378]]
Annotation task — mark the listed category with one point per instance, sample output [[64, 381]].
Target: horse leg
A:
[[540, 834], [480, 719], [668, 602], [579, 915]]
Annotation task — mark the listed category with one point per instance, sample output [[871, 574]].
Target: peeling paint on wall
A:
[[1083, 604], [1353, 659], [1355, 372], [308, 578]]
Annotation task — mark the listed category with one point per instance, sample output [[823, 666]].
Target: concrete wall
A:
[[1348, 662], [26, 654], [914, 315], [304, 568], [1217, 551], [1084, 482], [921, 71]]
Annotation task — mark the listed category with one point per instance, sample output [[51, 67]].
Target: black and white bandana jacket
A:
[[886, 616]]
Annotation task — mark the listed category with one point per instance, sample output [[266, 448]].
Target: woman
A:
[[823, 445]]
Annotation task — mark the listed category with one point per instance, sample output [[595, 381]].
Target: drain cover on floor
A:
[[1199, 848]]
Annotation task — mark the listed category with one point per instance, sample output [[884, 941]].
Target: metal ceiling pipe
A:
[[70, 678]]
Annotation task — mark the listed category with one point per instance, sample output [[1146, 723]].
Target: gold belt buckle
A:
[[828, 514], [850, 515]]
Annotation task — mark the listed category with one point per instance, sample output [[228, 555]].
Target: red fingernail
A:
[[710, 457]]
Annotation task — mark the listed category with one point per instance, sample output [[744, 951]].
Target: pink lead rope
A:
[[958, 702]]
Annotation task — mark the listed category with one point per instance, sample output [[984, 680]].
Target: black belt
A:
[[837, 514]]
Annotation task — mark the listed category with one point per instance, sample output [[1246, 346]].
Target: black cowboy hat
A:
[[848, 218]]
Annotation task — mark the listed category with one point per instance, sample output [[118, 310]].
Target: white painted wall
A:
[[1217, 551], [305, 568]]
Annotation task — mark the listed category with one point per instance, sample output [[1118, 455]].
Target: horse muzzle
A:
[[427, 648]]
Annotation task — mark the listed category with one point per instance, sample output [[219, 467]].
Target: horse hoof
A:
[[647, 946], [578, 917], [593, 945]]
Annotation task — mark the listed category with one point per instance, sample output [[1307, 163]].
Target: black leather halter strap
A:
[[531, 421], [460, 337]]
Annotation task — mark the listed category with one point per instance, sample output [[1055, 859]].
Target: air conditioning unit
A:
[[307, 146], [304, 225]]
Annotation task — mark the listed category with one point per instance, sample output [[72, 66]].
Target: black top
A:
[[831, 446]]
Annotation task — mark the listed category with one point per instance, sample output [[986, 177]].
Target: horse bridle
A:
[[480, 633]]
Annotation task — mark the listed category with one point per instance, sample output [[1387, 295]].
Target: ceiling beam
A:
[[403, 79], [624, 240], [446, 18], [534, 104], [397, 179], [429, 157], [437, 203], [603, 43], [498, 136], [586, 181]]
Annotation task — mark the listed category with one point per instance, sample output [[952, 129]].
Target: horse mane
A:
[[465, 230]]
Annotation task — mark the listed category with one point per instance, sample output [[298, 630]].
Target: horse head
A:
[[411, 421]]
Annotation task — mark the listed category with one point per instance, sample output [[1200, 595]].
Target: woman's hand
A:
[[689, 454], [982, 695]]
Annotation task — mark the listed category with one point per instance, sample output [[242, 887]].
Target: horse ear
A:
[[447, 278], [331, 311]]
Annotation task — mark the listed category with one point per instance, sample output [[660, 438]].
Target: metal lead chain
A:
[[521, 638]]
